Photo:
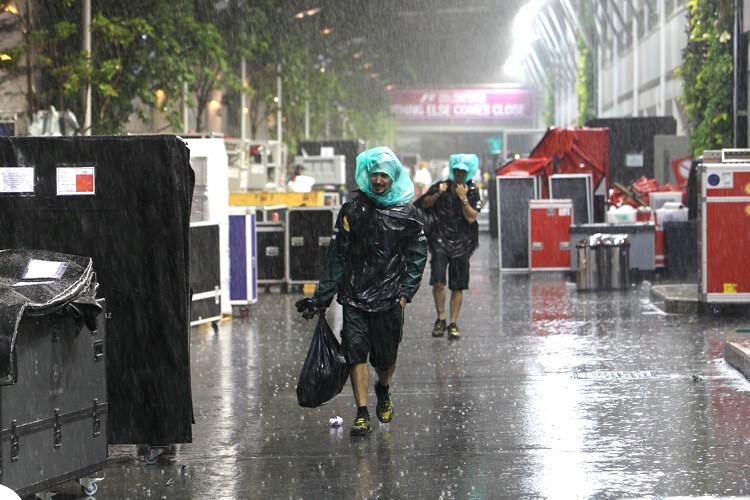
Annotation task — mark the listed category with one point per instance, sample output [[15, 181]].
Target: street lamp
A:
[[11, 7], [306, 13]]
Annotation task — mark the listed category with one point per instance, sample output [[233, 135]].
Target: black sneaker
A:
[[362, 425], [439, 328], [453, 332], [384, 408]]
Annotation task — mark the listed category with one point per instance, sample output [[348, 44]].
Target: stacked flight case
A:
[[513, 194], [549, 223], [579, 189], [243, 283], [54, 418], [309, 232], [271, 237], [205, 273], [271, 253]]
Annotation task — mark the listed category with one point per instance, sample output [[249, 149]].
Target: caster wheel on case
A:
[[90, 491], [151, 457], [89, 485]]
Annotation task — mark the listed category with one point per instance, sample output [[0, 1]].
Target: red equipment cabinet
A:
[[725, 227], [549, 244]]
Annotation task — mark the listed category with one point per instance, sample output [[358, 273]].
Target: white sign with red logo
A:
[[73, 181]]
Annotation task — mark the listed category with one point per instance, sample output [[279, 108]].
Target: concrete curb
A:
[[737, 355], [681, 299]]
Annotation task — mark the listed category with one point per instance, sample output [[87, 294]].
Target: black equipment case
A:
[[133, 220], [54, 418], [309, 231], [512, 198], [205, 273], [271, 237]]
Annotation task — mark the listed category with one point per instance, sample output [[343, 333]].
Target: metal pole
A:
[[185, 111], [243, 102], [277, 170], [662, 57], [615, 75], [87, 51], [736, 76], [598, 80], [636, 63], [307, 119]]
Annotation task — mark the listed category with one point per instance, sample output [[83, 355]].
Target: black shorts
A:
[[459, 270], [376, 334]]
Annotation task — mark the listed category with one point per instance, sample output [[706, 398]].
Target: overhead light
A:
[[524, 36], [323, 69], [5, 57], [276, 99], [214, 104], [299, 15], [327, 31], [522, 22], [312, 12], [374, 75], [357, 55], [390, 87], [11, 7]]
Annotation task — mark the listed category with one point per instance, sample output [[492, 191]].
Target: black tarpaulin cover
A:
[[36, 282], [131, 215]]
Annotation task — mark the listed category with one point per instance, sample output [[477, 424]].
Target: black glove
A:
[[309, 307]]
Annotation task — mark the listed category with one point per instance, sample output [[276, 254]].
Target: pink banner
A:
[[512, 103]]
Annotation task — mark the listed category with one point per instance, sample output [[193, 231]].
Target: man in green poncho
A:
[[375, 262]]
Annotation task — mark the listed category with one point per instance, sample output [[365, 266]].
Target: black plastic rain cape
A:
[[377, 255], [447, 230], [325, 370], [36, 282]]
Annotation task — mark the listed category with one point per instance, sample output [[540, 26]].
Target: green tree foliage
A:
[[145, 53], [316, 71], [586, 79], [706, 73], [585, 84]]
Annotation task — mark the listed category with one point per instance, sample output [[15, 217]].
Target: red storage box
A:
[[725, 231], [549, 243]]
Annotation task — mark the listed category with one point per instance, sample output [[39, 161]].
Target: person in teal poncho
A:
[[374, 265], [450, 209]]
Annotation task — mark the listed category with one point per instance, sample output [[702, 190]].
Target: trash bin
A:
[[588, 276], [53, 388], [616, 261], [603, 262]]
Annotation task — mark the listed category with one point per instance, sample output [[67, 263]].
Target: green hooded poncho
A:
[[382, 159], [466, 162]]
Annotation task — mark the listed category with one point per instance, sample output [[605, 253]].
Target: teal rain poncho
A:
[[466, 162], [382, 159]]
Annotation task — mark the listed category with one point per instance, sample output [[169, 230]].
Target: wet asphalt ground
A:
[[550, 393]]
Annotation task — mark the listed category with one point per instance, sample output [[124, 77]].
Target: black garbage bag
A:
[[325, 370]]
